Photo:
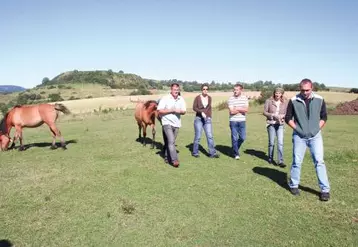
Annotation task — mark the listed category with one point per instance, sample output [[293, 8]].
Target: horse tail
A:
[[62, 108]]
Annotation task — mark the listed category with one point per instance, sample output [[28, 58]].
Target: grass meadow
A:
[[109, 190]]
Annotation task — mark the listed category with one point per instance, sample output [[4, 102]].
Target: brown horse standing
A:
[[145, 114], [31, 116]]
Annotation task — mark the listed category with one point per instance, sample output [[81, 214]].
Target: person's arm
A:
[[323, 115], [208, 109], [289, 115], [196, 105], [235, 110], [182, 109], [266, 110], [161, 108]]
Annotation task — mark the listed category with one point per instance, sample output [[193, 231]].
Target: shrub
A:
[[141, 91], [55, 97], [353, 90], [222, 106], [265, 94]]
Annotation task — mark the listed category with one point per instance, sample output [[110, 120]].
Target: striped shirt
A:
[[234, 102]]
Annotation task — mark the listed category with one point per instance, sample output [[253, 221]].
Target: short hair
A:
[[175, 84], [204, 85], [305, 81], [239, 85]]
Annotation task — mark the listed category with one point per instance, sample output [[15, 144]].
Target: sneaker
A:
[[295, 191], [282, 165], [195, 155], [237, 157], [324, 196], [214, 156]]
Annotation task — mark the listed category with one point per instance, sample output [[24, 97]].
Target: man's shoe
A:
[[282, 165], [195, 155], [295, 191], [237, 157], [324, 196], [176, 163], [215, 156]]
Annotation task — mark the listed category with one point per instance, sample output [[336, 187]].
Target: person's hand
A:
[[178, 111], [203, 114]]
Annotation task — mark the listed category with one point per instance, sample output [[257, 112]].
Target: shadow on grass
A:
[[226, 150], [148, 141], [201, 149], [5, 243], [280, 178], [257, 153], [45, 144]]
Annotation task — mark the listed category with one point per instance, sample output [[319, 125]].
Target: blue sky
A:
[[227, 41]]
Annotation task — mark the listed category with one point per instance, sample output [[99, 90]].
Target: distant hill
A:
[[11, 89], [115, 80]]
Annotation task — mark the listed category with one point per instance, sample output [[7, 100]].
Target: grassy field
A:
[[108, 190]]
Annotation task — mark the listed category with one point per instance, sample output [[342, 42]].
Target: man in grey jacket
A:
[[306, 115]]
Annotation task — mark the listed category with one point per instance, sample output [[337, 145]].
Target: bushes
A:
[[265, 94], [55, 97], [353, 90]]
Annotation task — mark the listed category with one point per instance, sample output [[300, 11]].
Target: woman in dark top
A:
[[202, 107]]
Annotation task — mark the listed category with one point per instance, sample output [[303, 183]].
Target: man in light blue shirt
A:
[[170, 108]]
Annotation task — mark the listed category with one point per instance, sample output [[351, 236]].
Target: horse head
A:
[[4, 141]]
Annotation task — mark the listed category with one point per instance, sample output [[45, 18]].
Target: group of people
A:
[[305, 113]]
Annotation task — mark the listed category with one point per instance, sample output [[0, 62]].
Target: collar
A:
[[171, 96]]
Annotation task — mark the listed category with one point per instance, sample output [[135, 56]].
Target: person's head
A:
[[278, 94], [306, 88], [238, 89], [175, 90], [204, 89]]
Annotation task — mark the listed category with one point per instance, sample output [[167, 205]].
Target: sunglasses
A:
[[305, 90]]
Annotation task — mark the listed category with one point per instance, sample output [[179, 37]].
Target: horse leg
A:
[[144, 134], [56, 133], [153, 133], [18, 135], [139, 132]]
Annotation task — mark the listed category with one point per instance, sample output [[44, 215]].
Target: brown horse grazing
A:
[[30, 116], [145, 114]]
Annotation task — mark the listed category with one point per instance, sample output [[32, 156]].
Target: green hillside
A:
[[114, 80]]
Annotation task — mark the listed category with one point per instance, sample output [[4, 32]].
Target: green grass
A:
[[108, 190]]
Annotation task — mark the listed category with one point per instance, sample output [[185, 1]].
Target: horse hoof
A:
[[64, 147], [53, 147]]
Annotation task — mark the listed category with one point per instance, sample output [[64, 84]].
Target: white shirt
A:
[[204, 100], [168, 102]]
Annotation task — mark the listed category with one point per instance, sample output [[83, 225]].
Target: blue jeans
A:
[[274, 130], [199, 125], [315, 144], [238, 135]]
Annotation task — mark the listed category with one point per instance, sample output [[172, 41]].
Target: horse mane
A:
[[149, 102]]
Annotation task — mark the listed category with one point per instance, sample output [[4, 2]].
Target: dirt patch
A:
[[347, 108]]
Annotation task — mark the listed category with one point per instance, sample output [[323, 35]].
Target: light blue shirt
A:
[[168, 102]]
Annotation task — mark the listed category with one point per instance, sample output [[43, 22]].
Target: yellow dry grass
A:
[[123, 102]]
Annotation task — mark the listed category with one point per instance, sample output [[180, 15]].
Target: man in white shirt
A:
[[238, 107], [170, 108]]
